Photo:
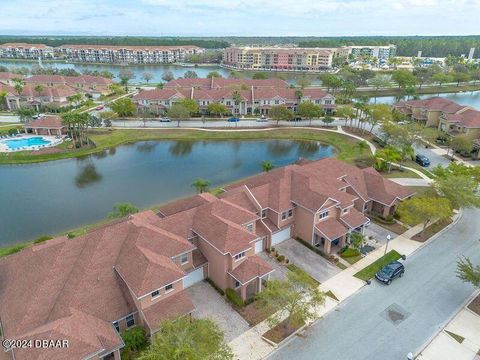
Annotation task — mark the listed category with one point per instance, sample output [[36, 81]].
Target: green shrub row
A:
[[42, 239], [234, 298]]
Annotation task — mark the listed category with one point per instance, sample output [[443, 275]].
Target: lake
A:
[[470, 98], [52, 197]]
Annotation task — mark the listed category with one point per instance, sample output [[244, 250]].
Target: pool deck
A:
[[53, 142]]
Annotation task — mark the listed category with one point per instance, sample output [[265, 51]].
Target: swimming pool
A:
[[15, 144]]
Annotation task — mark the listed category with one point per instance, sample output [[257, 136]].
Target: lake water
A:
[[52, 197], [470, 98]]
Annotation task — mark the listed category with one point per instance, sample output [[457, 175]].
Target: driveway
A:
[[318, 267], [387, 322], [379, 233], [280, 272], [209, 304]]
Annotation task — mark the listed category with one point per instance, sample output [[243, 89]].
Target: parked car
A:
[[99, 107], [165, 119], [422, 160], [233, 119], [389, 272], [261, 119]]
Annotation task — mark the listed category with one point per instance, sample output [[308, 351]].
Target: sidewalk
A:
[[459, 340]]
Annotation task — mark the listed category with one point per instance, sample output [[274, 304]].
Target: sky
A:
[[240, 17]]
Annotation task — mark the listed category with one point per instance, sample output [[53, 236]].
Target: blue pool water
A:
[[26, 142]]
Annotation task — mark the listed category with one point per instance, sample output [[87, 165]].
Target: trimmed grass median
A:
[[369, 272]]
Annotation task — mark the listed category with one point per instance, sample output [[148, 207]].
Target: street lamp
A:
[[386, 246]]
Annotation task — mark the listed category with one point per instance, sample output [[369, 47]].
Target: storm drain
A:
[[395, 314]]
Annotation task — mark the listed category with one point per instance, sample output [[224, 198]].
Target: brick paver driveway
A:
[[209, 304], [318, 268]]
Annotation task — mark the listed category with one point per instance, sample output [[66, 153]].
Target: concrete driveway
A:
[[209, 304], [379, 233], [280, 272], [318, 268]]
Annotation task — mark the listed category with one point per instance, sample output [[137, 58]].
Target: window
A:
[[345, 210], [155, 293], [239, 256], [169, 287], [237, 284], [287, 214], [323, 215], [250, 227], [116, 326], [290, 213], [264, 213], [130, 320], [184, 259], [284, 215]]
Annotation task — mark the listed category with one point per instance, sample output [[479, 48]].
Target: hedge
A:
[[234, 298]]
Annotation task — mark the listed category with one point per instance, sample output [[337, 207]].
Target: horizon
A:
[[266, 18]]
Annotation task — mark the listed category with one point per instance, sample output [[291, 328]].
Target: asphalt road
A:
[[421, 302]]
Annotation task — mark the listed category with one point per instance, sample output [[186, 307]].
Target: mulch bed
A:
[[280, 332], [475, 305], [431, 230], [252, 315]]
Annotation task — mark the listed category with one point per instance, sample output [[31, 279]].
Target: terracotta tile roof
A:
[[69, 80], [10, 90], [469, 118], [261, 229], [131, 47], [433, 104], [331, 228], [270, 225], [172, 307], [56, 91], [186, 204], [354, 218], [217, 83], [158, 94], [240, 197], [251, 268], [86, 335], [50, 121], [8, 75], [24, 45], [142, 269]]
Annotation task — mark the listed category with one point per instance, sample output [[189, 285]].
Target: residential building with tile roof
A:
[[134, 271]]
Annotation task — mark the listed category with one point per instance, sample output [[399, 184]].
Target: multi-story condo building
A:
[[276, 58], [256, 96], [26, 51], [136, 270], [128, 54], [379, 52]]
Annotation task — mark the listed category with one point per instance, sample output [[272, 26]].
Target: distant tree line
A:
[[114, 40], [433, 46]]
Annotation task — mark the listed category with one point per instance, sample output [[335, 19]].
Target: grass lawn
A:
[[330, 294], [293, 267], [394, 227], [431, 230], [368, 272], [105, 139], [397, 173], [351, 255], [455, 336], [414, 165], [475, 305], [281, 331]]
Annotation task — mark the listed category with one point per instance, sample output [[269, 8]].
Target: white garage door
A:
[[280, 236], [259, 246], [193, 277]]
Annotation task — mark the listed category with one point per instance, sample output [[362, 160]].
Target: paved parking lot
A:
[[209, 304], [318, 268]]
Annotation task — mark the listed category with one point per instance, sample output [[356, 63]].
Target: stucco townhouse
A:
[[256, 96], [7, 78], [134, 271]]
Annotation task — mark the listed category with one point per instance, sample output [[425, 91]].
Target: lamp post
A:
[[386, 246]]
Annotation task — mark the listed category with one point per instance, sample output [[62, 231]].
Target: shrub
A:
[[135, 340], [273, 249], [349, 252], [41, 239], [280, 258], [70, 235], [249, 300], [234, 298], [210, 281], [287, 260]]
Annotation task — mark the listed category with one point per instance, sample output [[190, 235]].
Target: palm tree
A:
[[267, 166], [201, 185], [39, 89], [237, 99]]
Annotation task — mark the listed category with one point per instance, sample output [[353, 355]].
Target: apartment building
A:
[[135, 270], [379, 52], [128, 54], [256, 96], [26, 51], [276, 58]]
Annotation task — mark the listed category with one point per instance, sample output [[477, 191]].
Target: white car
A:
[[261, 119]]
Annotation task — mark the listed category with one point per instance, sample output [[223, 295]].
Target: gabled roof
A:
[[433, 104], [50, 121], [469, 118], [331, 228], [158, 94], [8, 75], [251, 268], [186, 204]]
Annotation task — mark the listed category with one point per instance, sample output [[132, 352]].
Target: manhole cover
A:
[[395, 314]]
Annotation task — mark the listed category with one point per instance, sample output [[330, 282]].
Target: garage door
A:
[[193, 277], [280, 236], [259, 246]]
